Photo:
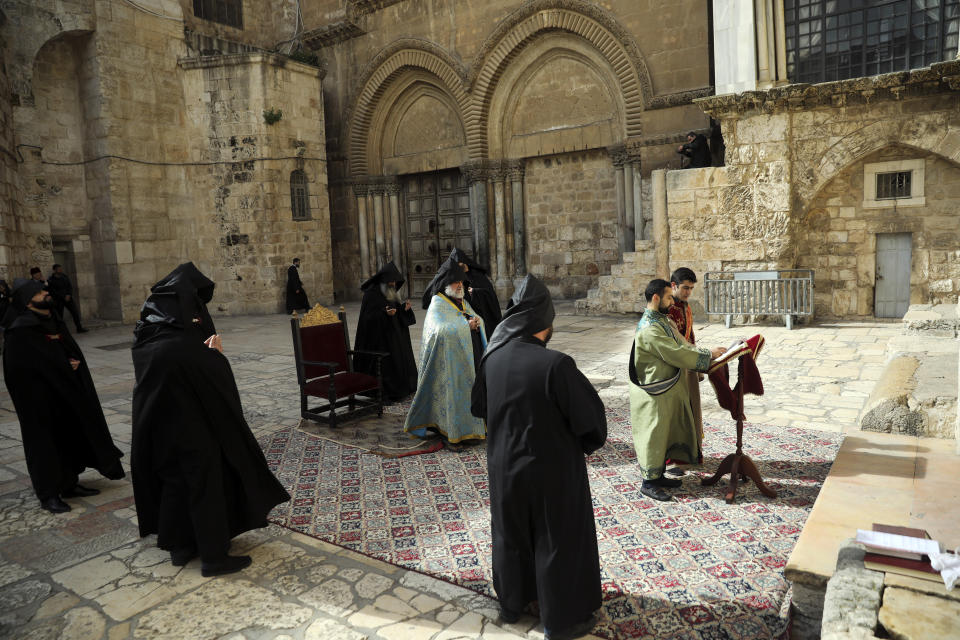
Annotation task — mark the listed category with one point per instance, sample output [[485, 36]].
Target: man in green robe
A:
[[660, 412]]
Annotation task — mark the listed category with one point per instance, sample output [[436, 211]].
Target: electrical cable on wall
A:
[[152, 13], [155, 163]]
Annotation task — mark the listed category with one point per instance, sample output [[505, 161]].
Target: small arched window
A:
[[299, 196]]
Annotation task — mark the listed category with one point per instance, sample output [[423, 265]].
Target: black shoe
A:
[[180, 557], [576, 631], [82, 330], [508, 616], [55, 505], [230, 564], [675, 472], [654, 491], [80, 491], [667, 483]]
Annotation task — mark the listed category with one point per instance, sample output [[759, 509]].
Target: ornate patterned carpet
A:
[[694, 568]]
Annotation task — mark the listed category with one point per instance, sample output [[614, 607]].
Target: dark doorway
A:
[[437, 207]]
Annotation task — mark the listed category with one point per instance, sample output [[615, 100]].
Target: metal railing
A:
[[787, 293]]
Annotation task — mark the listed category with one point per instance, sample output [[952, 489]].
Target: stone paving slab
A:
[[86, 575]]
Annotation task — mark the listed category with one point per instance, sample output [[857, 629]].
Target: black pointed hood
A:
[[448, 273], [459, 255], [388, 273], [529, 311], [176, 300]]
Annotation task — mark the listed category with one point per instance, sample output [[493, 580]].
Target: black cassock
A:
[[294, 284], [199, 476], [61, 420], [542, 416], [377, 331]]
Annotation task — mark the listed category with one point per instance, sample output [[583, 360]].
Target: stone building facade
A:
[[523, 131], [136, 139], [799, 189]]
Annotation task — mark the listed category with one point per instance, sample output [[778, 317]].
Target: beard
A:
[[664, 309], [450, 292], [390, 293]]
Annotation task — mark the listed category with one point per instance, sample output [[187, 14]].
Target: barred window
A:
[[299, 195], [228, 12], [839, 39], [895, 184]]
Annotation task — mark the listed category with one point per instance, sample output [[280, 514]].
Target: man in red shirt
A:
[[684, 281]]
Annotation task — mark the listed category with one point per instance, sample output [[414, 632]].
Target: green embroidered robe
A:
[[663, 425]]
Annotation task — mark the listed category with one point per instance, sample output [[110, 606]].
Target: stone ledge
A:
[[943, 77], [876, 477], [932, 319]]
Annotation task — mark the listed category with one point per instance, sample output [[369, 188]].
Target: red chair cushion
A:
[[345, 383], [323, 343]]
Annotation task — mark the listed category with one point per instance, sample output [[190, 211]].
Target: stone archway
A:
[[925, 134], [594, 25], [400, 58], [558, 93]]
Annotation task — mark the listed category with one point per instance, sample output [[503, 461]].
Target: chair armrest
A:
[[314, 363], [376, 354]]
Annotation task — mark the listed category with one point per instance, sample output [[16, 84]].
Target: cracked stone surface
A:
[[87, 575]]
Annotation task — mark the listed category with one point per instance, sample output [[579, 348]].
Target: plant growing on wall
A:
[[271, 116]]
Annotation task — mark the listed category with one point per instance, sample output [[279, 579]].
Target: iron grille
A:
[[839, 39], [299, 196], [228, 12], [895, 184]]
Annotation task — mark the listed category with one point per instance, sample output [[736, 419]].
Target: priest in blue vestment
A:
[[450, 349]]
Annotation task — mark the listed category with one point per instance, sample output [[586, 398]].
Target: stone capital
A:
[[514, 169], [476, 170], [618, 154]]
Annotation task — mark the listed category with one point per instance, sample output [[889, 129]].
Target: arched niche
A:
[[416, 128], [558, 93], [389, 73], [584, 20]]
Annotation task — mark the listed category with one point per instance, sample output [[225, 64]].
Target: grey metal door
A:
[[437, 207], [892, 296]]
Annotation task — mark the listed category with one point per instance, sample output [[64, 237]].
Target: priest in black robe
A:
[[384, 325], [61, 420], [199, 476], [296, 294], [543, 416], [478, 290]]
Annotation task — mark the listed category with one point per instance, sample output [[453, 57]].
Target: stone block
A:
[[908, 615]]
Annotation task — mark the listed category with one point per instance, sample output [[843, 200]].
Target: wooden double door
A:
[[437, 208]]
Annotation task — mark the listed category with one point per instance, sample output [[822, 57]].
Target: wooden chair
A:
[[324, 359]]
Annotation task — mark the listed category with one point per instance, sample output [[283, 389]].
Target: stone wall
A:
[[788, 195], [165, 162], [12, 246], [571, 220], [837, 237], [509, 80]]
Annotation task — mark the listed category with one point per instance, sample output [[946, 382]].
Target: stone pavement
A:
[[86, 575]]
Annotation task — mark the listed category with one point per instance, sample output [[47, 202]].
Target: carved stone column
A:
[[476, 173], [516, 173], [378, 218], [628, 205], [360, 191], [499, 175], [396, 234], [661, 224], [371, 230], [618, 156]]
